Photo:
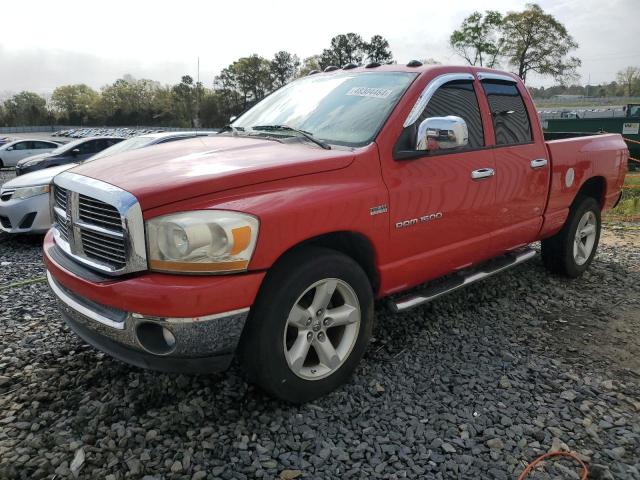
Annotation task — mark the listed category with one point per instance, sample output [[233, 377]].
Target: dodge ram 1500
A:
[[272, 239]]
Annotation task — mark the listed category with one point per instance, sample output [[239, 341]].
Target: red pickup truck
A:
[[272, 239]]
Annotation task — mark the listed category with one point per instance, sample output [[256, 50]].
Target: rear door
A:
[[44, 147], [522, 166]]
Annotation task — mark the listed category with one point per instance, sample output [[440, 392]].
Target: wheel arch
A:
[[353, 244], [594, 187]]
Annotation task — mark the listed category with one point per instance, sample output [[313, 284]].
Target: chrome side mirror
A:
[[442, 133]]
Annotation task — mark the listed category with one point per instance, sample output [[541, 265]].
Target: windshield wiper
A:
[[308, 135], [231, 128]]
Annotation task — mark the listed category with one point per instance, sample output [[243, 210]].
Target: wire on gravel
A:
[[23, 283]]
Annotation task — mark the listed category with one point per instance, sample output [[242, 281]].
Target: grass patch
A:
[[632, 179], [629, 207]]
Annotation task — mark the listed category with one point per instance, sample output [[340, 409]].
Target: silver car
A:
[[12, 152], [24, 201]]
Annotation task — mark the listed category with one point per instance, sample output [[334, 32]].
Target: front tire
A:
[[309, 326], [571, 250]]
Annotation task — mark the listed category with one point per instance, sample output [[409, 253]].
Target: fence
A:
[[54, 128]]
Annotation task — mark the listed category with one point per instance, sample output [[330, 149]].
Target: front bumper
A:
[[29, 215], [192, 345], [175, 323]]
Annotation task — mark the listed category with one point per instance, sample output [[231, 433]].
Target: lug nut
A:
[[309, 320], [309, 336], [321, 336], [326, 322], [319, 313]]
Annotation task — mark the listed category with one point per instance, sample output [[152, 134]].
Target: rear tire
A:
[[309, 326], [571, 250]]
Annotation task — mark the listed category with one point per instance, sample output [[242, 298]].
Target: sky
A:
[[64, 42]]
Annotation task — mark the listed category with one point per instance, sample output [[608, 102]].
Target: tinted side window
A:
[[42, 145], [87, 147], [510, 120], [459, 99], [22, 146]]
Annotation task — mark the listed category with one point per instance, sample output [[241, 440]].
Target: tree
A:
[[26, 109], [75, 103], [630, 79], [533, 41], [377, 50], [243, 83], [284, 67], [187, 95], [309, 64], [344, 49], [478, 40], [129, 101]]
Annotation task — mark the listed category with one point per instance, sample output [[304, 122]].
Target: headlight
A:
[[28, 192], [203, 241]]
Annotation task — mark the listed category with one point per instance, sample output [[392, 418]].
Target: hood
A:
[[34, 158], [39, 177], [175, 171]]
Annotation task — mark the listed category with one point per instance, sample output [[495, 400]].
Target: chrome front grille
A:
[[60, 211], [60, 196], [98, 224], [99, 213], [104, 248]]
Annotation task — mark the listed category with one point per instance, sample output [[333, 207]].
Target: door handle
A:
[[482, 173], [538, 163]]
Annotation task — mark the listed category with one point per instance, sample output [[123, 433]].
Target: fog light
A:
[[155, 338]]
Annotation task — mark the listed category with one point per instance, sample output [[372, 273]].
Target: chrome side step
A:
[[490, 268]]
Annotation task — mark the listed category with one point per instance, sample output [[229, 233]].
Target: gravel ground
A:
[[474, 386]]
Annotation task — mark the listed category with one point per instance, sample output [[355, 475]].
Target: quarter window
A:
[[510, 119]]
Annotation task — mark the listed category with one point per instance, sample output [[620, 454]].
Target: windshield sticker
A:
[[369, 92]]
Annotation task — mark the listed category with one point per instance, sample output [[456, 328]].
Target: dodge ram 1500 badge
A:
[[271, 240]]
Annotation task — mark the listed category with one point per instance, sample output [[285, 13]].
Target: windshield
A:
[[124, 146], [345, 108]]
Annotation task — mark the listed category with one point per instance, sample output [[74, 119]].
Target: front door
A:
[[441, 203], [19, 151], [522, 167]]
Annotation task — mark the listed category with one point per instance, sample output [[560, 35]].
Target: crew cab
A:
[[272, 239]]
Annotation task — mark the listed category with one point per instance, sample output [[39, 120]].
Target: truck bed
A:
[[574, 157]]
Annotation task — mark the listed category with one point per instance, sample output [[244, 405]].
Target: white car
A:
[[12, 152], [24, 201]]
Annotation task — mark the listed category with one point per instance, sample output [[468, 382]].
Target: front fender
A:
[[294, 210]]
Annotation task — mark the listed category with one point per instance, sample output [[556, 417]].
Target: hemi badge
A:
[[378, 209]]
